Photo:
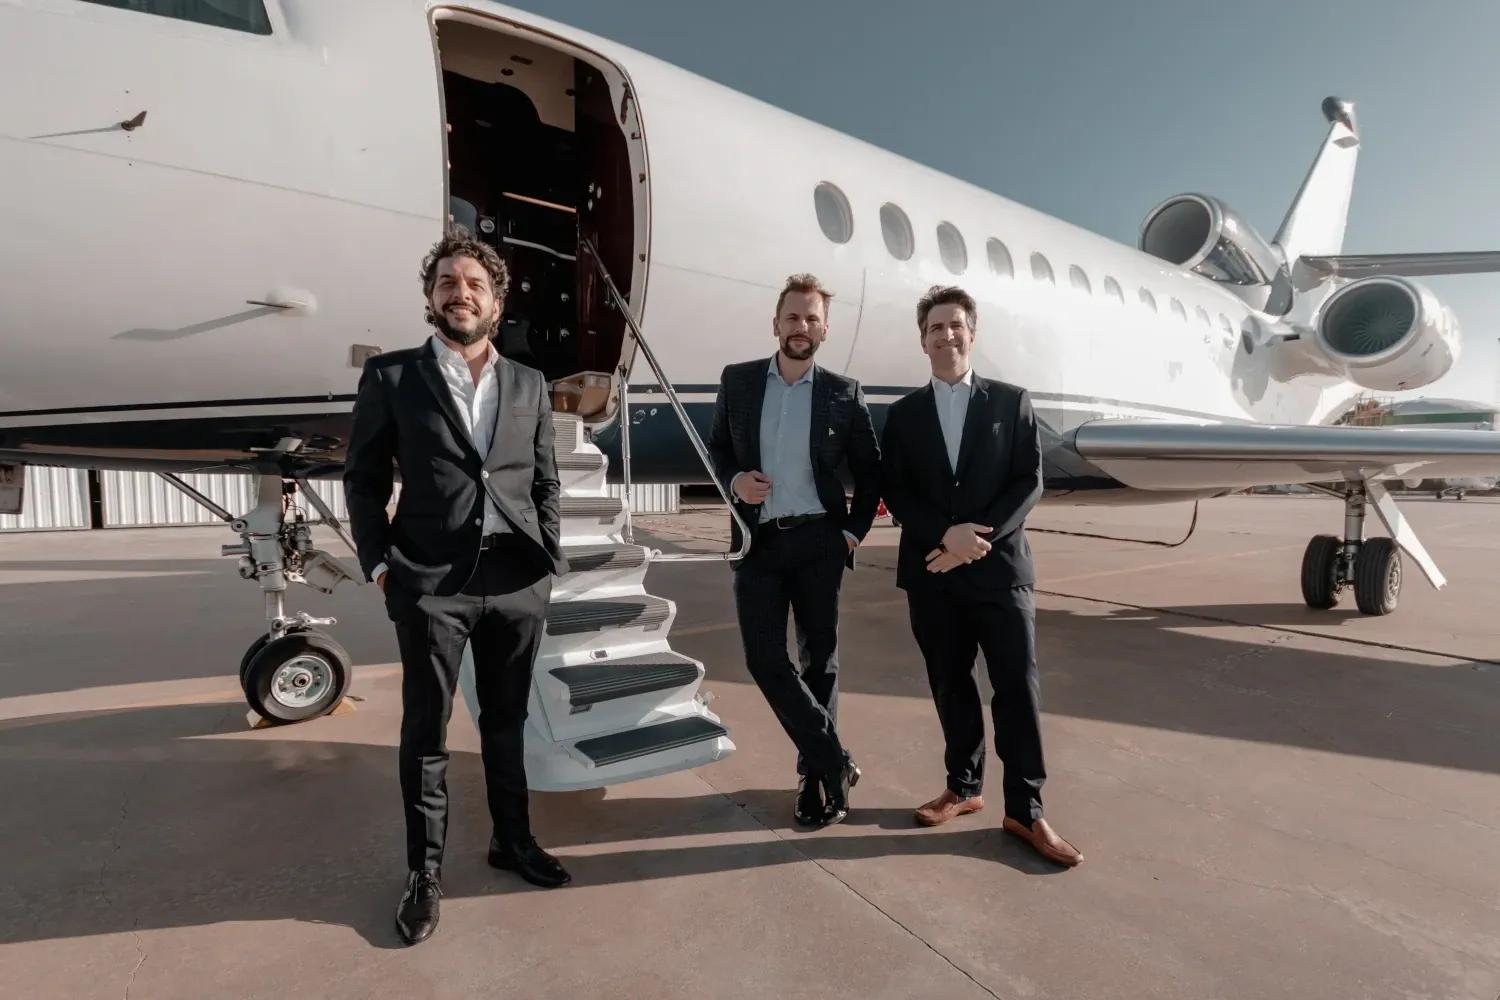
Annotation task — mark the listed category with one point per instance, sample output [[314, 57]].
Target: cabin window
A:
[[1041, 269], [1148, 300], [1179, 310], [834, 216], [1225, 325], [1202, 314], [895, 227], [1000, 261], [236, 15], [1112, 287], [952, 249], [1080, 280]]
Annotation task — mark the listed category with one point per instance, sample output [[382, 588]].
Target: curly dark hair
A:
[[946, 295], [459, 242]]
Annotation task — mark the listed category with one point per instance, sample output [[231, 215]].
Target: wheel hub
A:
[[302, 681]]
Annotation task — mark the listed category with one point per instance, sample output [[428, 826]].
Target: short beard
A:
[[789, 351], [482, 330]]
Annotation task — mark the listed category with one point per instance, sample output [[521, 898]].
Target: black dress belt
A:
[[495, 540], [794, 521]]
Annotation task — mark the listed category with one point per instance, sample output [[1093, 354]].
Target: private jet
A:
[[213, 213]]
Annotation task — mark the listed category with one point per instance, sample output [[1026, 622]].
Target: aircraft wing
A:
[[1408, 264], [1150, 455]]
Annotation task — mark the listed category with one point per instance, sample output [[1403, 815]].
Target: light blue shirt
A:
[[786, 446], [952, 409]]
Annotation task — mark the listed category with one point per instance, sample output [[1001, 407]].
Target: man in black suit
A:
[[468, 557], [781, 430], [962, 468]]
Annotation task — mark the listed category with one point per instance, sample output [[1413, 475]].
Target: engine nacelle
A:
[[1207, 236], [1388, 333]]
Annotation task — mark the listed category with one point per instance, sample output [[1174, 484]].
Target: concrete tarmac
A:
[[1273, 802]]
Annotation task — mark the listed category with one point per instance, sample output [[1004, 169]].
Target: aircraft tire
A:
[[302, 675], [1320, 566], [256, 647], [1377, 577]]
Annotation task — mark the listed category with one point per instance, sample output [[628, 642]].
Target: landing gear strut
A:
[[1371, 567], [295, 671]]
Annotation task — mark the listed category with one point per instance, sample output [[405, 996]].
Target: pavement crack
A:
[[793, 846], [135, 932]]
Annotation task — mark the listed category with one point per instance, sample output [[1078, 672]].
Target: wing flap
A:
[[1150, 455]]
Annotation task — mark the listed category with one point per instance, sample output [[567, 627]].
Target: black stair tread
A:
[[590, 506], [583, 558], [571, 617], [591, 683], [632, 743], [575, 460]]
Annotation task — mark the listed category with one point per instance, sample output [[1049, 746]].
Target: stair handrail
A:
[[687, 425]]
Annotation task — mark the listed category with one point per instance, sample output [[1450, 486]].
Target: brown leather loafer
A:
[[945, 807], [1045, 842]]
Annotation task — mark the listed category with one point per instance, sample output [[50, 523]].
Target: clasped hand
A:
[[961, 545]]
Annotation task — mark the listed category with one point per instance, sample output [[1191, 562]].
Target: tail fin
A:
[[1314, 225]]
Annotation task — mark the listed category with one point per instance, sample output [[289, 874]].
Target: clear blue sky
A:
[[1094, 112]]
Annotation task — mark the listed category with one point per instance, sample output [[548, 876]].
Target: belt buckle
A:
[[784, 517]]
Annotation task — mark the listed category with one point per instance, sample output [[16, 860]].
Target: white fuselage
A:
[[305, 168]]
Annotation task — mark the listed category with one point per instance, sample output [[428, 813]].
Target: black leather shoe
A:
[[417, 915], [530, 862], [809, 808], [836, 792]]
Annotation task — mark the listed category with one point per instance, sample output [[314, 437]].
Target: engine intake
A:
[[1388, 333], [1207, 236]]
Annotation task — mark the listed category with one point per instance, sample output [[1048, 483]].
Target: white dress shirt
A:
[[952, 408], [479, 406]]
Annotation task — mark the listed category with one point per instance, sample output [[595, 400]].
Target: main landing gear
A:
[[295, 671], [1372, 567]]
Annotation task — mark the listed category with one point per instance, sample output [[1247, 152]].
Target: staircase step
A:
[[591, 683], [605, 508], [573, 617], [580, 461], [587, 558], [632, 743]]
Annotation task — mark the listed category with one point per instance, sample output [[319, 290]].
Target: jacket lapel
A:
[[818, 422], [932, 430], [505, 374], [973, 424], [757, 398], [428, 366]]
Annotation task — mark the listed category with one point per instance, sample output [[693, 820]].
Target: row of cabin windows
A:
[[836, 219]]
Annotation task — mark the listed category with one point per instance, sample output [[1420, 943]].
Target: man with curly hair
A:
[[467, 558]]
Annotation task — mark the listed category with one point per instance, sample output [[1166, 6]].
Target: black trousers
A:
[[798, 570], [501, 614], [951, 624]]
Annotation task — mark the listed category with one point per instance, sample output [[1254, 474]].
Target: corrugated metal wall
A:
[[59, 498], [55, 499], [139, 499]]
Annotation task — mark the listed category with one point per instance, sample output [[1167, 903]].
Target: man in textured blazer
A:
[[468, 557], [781, 430], [962, 469]]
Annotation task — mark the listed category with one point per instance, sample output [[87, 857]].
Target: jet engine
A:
[[1388, 333], [1207, 236]]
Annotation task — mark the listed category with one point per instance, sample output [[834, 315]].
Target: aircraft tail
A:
[[1314, 225]]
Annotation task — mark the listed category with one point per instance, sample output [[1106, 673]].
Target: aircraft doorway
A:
[[544, 150]]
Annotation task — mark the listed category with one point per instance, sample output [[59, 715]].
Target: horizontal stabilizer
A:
[[1411, 265], [1148, 455]]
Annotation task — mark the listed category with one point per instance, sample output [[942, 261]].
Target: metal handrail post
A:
[[687, 425]]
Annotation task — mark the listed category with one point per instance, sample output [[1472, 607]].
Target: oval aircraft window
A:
[[1179, 310], [951, 246], [1080, 280], [1041, 269], [999, 258], [1202, 314], [896, 228], [834, 216], [1148, 300], [1112, 287]]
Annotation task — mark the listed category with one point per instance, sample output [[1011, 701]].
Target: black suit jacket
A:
[[998, 481], [838, 405], [405, 418]]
